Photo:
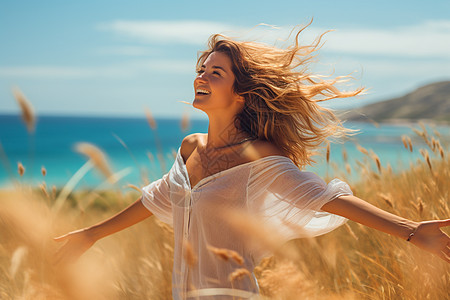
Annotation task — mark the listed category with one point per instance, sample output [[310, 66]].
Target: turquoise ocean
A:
[[140, 154]]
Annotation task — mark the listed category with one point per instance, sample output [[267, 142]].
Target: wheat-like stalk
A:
[[132, 186], [28, 115], [185, 122], [238, 274], [377, 161], [227, 254], [189, 254], [426, 156], [404, 141], [20, 169], [43, 188], [96, 156], [150, 120], [348, 168], [43, 171], [362, 150], [344, 155], [328, 153], [16, 260], [386, 198]]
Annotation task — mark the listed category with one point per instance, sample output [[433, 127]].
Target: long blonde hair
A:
[[280, 95]]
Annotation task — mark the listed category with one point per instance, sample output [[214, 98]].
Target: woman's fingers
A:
[[61, 254], [60, 238], [75, 243], [445, 256], [58, 256], [444, 223], [445, 252], [66, 254]]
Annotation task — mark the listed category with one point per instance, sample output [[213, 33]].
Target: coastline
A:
[[147, 153]]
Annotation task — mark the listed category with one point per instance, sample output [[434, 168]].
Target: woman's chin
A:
[[199, 104]]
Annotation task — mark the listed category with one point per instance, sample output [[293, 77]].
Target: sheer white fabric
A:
[[272, 188]]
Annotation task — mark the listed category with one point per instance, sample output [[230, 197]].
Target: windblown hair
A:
[[281, 97]]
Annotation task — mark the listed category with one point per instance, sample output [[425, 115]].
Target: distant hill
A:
[[430, 102]]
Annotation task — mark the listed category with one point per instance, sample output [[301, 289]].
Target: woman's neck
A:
[[223, 132]]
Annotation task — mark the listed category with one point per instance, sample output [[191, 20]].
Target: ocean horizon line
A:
[[130, 142]]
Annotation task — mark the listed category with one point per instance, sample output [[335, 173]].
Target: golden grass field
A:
[[353, 262]]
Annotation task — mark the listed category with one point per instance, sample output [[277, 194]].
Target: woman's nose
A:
[[201, 77]]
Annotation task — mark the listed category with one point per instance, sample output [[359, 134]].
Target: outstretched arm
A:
[[77, 242], [426, 235]]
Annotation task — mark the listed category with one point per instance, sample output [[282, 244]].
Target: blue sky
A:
[[119, 57]]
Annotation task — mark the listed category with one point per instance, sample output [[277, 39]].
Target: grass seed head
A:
[[97, 157], [348, 168], [410, 144], [434, 144], [185, 122], [344, 154], [387, 198], [132, 186], [377, 162], [54, 192], [227, 254], [362, 150], [189, 255], [16, 260], [350, 231], [151, 121], [441, 152], [238, 274], [221, 253], [43, 188], [328, 153], [20, 169], [404, 141], [426, 155], [28, 115]]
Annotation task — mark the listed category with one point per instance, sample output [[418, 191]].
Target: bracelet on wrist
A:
[[412, 234]]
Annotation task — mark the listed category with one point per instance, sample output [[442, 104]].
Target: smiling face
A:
[[213, 85]]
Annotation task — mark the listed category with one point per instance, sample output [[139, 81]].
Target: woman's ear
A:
[[240, 99]]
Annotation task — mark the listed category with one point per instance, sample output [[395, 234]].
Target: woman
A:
[[264, 122]]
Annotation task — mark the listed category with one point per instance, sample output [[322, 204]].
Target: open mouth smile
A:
[[202, 92]]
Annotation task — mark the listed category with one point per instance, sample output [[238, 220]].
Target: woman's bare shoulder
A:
[[262, 148], [189, 143]]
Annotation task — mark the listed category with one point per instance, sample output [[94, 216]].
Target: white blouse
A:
[[271, 188]]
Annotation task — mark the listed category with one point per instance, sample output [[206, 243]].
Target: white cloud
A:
[[422, 40], [46, 71], [127, 51], [125, 70], [183, 32], [426, 39]]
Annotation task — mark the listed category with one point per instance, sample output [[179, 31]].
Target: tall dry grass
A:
[[352, 262]]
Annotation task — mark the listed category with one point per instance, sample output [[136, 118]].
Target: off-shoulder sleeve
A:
[[156, 198], [290, 200]]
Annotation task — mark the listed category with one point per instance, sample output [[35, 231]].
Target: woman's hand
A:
[[75, 244], [428, 236]]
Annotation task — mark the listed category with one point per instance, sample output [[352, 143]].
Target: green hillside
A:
[[429, 102]]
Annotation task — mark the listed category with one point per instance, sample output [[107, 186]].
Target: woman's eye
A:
[[203, 71]]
